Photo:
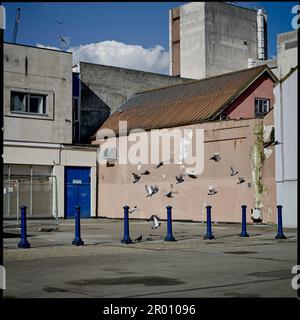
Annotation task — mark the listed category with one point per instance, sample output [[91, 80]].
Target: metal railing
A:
[[38, 193]]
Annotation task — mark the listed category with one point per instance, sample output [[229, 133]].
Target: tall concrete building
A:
[[210, 38]]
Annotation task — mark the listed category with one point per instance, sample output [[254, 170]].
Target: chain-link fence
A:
[[38, 194]]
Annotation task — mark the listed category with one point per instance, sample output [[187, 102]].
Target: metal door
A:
[[77, 191]]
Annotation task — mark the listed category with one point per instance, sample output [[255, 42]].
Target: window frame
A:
[[261, 106], [27, 103]]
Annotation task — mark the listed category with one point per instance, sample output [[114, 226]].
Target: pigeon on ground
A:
[[48, 229], [149, 238], [212, 190], [151, 190], [216, 157], [241, 180], [146, 172], [155, 220], [136, 177], [159, 165], [139, 238], [233, 172], [179, 178]]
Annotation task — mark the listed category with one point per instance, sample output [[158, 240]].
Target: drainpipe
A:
[[31, 174]]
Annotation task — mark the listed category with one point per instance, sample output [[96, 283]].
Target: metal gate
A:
[[38, 194]]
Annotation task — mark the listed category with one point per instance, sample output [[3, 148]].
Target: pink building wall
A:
[[244, 105], [234, 140]]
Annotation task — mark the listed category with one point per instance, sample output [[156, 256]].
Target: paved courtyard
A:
[[228, 266]]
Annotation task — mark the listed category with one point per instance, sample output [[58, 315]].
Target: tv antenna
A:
[[65, 41], [17, 21]]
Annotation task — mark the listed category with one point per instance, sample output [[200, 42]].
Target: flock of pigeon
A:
[[153, 189]]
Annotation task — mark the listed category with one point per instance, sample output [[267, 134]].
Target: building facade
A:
[[101, 89], [234, 112], [38, 152], [286, 115]]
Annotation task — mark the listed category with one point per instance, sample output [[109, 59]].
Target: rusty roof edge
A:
[[261, 69], [243, 89]]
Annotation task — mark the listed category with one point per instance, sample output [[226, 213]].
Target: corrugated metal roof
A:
[[183, 104]]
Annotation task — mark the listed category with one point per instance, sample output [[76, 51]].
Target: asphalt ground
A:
[[227, 266]]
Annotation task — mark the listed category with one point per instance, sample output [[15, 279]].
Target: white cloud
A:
[[114, 53]]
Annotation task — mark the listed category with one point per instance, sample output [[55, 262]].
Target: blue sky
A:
[[141, 25]]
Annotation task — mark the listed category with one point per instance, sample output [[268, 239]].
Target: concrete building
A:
[[234, 110], [286, 115], [38, 152], [210, 38], [287, 54], [101, 89]]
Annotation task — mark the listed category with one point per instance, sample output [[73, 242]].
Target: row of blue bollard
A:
[[209, 235], [126, 239]]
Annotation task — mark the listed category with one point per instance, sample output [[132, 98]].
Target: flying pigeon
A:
[[59, 22], [169, 194], [193, 176], [179, 178], [156, 223], [271, 143], [159, 165], [134, 209], [241, 180], [212, 190], [146, 172], [233, 172], [216, 157], [151, 190], [139, 238], [149, 238], [136, 177]]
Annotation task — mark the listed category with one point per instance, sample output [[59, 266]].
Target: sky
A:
[[126, 34]]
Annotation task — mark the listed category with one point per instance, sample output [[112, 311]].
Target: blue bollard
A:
[[77, 240], [23, 243], [280, 234], [169, 236], [126, 239], [244, 223], [209, 234]]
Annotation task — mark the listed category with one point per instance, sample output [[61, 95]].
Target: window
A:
[[28, 103], [262, 106]]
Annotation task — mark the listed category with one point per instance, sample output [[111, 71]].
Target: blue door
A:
[[77, 191]]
